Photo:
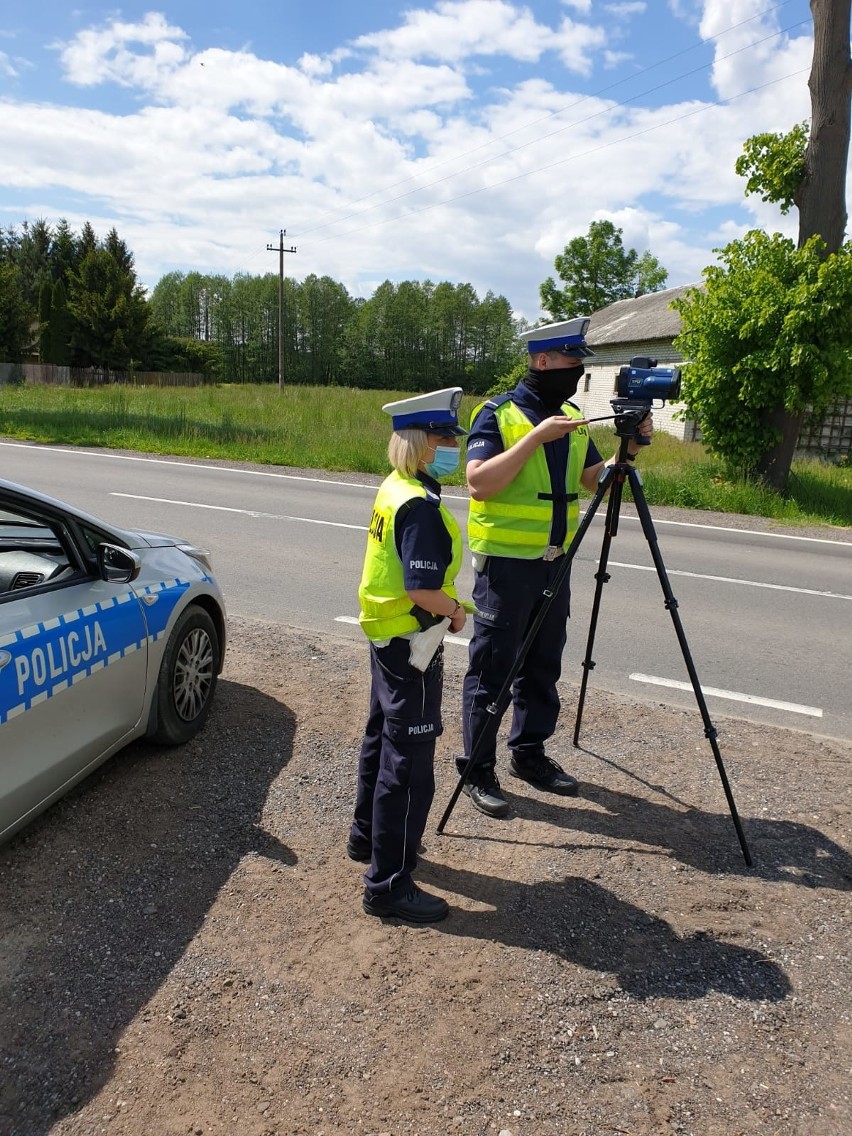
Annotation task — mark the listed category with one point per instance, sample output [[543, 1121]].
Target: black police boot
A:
[[543, 772], [414, 905], [359, 850], [483, 788]]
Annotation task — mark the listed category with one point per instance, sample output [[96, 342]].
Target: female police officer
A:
[[414, 551]]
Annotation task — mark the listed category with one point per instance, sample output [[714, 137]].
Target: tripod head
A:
[[629, 412]]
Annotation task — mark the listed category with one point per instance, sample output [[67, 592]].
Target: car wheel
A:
[[187, 677]]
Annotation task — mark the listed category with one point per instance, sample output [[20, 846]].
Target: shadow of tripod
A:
[[612, 479]]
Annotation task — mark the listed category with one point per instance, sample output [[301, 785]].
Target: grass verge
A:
[[340, 429]]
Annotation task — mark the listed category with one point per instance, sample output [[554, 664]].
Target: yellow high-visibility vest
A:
[[517, 521], [385, 606]]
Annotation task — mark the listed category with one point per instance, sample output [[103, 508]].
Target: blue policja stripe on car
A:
[[44, 659], [168, 594]]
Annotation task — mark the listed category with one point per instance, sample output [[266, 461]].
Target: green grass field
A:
[[338, 429]]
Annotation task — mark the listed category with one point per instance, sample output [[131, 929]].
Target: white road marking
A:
[[732, 695], [363, 528], [245, 512], [654, 680], [361, 485], [732, 580], [731, 529], [189, 465]]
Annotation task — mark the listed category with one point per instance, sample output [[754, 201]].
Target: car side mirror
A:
[[118, 565]]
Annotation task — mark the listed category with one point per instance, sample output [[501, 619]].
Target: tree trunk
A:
[[774, 467], [822, 195]]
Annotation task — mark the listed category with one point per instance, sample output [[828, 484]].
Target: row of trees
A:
[[407, 336], [76, 300]]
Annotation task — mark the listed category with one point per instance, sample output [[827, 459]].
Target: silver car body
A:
[[82, 642]]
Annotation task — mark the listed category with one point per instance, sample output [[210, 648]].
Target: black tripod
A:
[[612, 478]]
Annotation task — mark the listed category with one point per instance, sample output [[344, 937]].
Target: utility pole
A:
[[279, 248]]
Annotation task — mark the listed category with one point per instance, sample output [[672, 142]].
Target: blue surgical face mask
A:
[[445, 462]]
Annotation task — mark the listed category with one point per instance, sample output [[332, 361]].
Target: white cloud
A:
[[386, 159], [750, 48], [315, 65], [614, 59], [458, 29], [96, 55], [575, 43], [6, 66], [628, 8]]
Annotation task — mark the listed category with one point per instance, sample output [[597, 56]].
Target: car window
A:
[[94, 538], [35, 552]]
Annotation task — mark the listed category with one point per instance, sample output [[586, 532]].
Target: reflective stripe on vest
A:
[[385, 606], [516, 522]]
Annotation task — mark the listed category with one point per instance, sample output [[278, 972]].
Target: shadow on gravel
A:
[[781, 849], [585, 924], [101, 896]]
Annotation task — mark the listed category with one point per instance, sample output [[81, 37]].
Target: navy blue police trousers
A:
[[396, 769], [506, 595]]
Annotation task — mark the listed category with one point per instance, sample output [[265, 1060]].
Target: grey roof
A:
[[631, 321]]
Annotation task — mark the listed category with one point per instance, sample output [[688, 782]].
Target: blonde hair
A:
[[406, 449]]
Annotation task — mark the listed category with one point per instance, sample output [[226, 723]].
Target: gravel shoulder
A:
[[183, 949]]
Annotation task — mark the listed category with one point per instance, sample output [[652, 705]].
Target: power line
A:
[[552, 114], [570, 158]]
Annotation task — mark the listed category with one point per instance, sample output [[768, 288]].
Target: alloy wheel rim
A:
[[193, 674]]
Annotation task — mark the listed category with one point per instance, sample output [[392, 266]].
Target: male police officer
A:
[[527, 455]]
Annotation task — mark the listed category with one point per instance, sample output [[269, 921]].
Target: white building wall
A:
[[598, 387]]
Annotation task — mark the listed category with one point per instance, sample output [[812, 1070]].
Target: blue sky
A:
[[463, 140]]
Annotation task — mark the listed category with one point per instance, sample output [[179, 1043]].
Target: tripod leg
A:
[[602, 578], [672, 607]]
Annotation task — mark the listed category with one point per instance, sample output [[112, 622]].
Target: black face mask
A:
[[555, 386]]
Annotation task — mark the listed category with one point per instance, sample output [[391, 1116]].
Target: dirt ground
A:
[[184, 951]]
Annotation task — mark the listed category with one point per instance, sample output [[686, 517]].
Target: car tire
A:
[[187, 679]]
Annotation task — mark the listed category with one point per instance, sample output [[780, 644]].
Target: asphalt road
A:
[[767, 615]]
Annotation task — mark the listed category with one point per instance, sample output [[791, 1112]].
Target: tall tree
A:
[[45, 293], [495, 344], [110, 314], [16, 316], [61, 326], [118, 250], [55, 325], [772, 318], [63, 251], [822, 194], [86, 242], [33, 258], [597, 270], [806, 169], [323, 309]]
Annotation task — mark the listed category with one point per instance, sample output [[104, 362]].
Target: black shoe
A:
[[359, 850], [483, 788], [414, 905], [545, 773]]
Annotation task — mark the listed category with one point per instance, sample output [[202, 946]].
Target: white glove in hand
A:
[[426, 643]]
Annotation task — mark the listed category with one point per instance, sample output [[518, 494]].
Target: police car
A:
[[106, 635]]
